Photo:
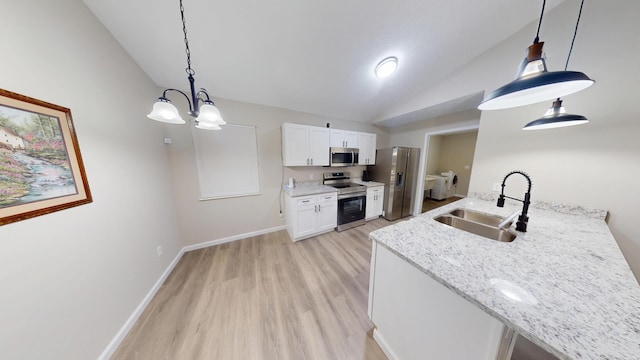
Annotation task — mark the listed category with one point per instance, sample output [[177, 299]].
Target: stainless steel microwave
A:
[[343, 156]]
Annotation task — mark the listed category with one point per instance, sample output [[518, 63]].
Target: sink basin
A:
[[487, 231], [475, 216]]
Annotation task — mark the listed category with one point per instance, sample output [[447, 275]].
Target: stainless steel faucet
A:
[[521, 225]]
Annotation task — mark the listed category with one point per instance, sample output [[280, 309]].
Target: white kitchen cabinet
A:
[[311, 215], [416, 315], [367, 146], [374, 202], [344, 138], [327, 212], [304, 145]]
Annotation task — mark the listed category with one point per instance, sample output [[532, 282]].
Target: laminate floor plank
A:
[[263, 297]]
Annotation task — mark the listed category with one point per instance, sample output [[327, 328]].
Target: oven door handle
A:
[[352, 195]]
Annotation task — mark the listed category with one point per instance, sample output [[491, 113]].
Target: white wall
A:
[[72, 278], [433, 155], [594, 165], [456, 153], [214, 220]]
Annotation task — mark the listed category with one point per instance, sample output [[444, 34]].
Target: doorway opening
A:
[[445, 166]]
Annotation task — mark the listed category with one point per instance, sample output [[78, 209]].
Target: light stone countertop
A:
[[366, 183], [308, 189], [580, 299]]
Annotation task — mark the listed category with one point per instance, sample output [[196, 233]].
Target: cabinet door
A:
[[319, 140], [369, 212], [328, 212], [295, 143], [374, 202], [344, 139], [377, 210], [351, 139], [305, 222], [367, 146], [337, 138]]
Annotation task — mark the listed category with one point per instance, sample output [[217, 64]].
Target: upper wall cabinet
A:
[[304, 145], [367, 146], [344, 138]]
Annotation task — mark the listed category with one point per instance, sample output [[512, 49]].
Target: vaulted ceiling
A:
[[312, 56]]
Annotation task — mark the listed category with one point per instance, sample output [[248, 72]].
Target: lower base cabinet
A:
[[311, 215], [418, 318], [374, 202]]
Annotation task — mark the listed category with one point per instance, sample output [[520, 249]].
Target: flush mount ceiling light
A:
[[534, 83], [206, 116], [386, 67], [557, 116]]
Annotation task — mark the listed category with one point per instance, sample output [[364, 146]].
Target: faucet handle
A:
[[500, 201]]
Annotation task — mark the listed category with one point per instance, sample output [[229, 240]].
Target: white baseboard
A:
[[383, 345], [232, 238], [124, 330]]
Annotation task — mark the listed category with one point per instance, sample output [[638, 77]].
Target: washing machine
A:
[[452, 183], [439, 190]]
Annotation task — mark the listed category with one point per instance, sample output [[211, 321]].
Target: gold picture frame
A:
[[41, 169]]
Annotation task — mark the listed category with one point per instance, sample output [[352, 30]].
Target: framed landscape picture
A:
[[41, 170]]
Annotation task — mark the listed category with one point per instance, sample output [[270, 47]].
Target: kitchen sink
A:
[[465, 224], [475, 216]]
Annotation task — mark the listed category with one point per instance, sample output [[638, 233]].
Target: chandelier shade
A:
[[164, 111]]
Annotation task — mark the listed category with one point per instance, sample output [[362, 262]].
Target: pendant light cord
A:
[[189, 70], [537, 39], [575, 32]]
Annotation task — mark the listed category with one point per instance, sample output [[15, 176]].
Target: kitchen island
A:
[[564, 284]]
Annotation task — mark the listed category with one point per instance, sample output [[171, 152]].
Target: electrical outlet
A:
[[497, 186], [279, 213], [159, 250], [168, 140]]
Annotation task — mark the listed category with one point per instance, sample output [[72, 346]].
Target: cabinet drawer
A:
[[327, 198], [306, 201]]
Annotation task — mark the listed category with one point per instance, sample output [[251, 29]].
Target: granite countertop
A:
[[308, 189], [366, 183], [570, 289]]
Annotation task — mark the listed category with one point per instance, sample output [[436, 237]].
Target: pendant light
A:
[[534, 83], [206, 116], [557, 116]]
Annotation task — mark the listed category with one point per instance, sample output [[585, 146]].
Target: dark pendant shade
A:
[[556, 117]]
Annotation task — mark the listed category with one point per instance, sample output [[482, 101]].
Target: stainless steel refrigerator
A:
[[397, 168]]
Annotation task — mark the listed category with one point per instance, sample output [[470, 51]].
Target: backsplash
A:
[[545, 205]]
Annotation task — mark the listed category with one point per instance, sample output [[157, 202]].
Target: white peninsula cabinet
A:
[[374, 202], [311, 215], [304, 145], [418, 318], [367, 146]]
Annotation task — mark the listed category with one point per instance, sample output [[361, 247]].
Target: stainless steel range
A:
[[352, 199]]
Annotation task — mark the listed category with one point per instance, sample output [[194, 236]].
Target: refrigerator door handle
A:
[[399, 179]]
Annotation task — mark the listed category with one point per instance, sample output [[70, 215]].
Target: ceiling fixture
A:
[[534, 83], [557, 116], [206, 116], [386, 67]]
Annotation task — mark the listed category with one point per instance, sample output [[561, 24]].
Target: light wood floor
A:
[[263, 297], [430, 204]]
